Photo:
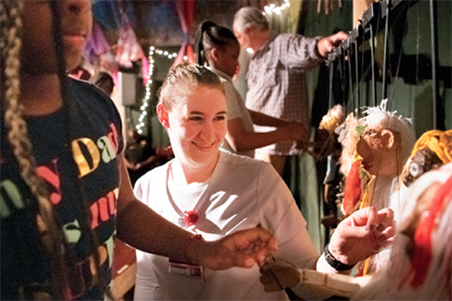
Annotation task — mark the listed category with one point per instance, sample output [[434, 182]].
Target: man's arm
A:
[[241, 140], [267, 120]]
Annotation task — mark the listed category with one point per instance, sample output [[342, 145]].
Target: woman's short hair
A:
[[182, 79]]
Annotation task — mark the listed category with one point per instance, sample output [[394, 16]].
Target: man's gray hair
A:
[[250, 17]]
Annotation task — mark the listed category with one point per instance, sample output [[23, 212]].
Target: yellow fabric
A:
[[440, 142]]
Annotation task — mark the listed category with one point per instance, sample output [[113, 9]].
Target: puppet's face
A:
[[422, 161], [377, 147]]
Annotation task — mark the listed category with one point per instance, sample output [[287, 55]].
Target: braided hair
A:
[[18, 138], [51, 233], [208, 36]]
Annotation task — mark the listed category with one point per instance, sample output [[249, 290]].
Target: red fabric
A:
[[185, 11], [145, 70], [352, 189], [422, 255]]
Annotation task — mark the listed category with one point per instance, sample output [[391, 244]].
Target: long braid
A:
[[51, 234], [62, 75]]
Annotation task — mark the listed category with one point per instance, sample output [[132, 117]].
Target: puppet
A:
[[431, 150], [331, 150], [420, 261], [385, 145]]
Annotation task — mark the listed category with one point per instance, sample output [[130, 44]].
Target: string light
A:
[[273, 9], [152, 51]]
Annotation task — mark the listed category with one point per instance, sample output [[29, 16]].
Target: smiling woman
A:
[[213, 193], [193, 111]]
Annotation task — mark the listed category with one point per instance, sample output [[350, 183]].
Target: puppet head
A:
[[385, 142], [432, 149]]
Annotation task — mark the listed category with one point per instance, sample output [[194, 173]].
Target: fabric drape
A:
[[185, 11]]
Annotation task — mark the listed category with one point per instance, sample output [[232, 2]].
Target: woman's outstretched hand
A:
[[362, 234], [240, 249]]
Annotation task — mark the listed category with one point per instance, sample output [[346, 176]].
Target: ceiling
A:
[[157, 22]]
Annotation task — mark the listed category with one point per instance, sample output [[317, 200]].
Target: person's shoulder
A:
[[89, 94], [81, 84], [229, 88], [285, 36], [158, 171], [237, 160], [82, 87], [238, 168]]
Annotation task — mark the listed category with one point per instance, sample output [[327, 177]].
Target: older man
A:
[[276, 75]]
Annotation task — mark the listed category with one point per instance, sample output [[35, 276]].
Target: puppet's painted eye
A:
[[415, 169]]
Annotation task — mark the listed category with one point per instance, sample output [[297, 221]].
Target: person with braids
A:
[[65, 192], [218, 48], [214, 193]]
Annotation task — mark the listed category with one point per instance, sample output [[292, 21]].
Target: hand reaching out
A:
[[362, 234], [242, 249], [327, 44]]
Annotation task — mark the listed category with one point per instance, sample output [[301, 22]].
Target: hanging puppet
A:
[[384, 144], [331, 150]]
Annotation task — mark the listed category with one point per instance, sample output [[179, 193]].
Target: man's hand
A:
[[362, 234], [240, 249], [327, 44]]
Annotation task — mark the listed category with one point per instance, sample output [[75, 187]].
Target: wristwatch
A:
[[334, 263]]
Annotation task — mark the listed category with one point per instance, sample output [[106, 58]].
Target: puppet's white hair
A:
[[380, 117]]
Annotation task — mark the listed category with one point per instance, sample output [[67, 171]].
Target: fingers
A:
[[327, 45], [383, 226], [372, 219], [386, 217], [386, 235], [255, 246], [338, 38]]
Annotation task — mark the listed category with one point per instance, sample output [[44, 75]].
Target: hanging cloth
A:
[[185, 11]]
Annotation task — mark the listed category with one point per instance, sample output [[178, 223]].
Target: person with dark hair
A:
[[276, 74], [218, 48], [65, 192]]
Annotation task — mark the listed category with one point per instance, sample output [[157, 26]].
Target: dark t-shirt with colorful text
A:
[[76, 151]]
